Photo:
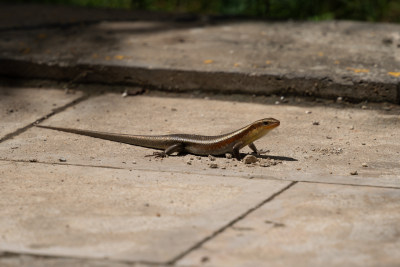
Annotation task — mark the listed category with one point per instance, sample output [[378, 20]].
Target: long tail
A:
[[137, 140]]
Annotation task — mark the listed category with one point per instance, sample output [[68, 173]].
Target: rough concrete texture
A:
[[298, 149], [19, 108], [349, 59], [312, 225]]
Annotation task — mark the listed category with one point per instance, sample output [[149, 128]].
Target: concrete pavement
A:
[[69, 199], [325, 192]]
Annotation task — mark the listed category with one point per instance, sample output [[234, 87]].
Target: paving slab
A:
[[314, 143], [354, 60], [89, 212], [23, 106], [312, 225]]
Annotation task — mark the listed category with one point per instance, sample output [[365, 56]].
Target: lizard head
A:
[[260, 128], [268, 123]]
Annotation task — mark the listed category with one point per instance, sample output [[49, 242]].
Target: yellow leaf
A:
[[208, 61], [358, 70], [395, 74], [119, 57]]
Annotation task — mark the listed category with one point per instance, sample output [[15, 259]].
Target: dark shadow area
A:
[[159, 51], [282, 158]]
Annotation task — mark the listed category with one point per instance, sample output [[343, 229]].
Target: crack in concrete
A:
[[52, 113], [231, 223]]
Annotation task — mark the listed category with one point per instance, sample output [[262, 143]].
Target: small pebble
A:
[[363, 144], [133, 162], [329, 137], [211, 157], [315, 123], [205, 259], [365, 165], [62, 160], [352, 128], [173, 109], [213, 165], [339, 99], [228, 155], [364, 107], [249, 159], [354, 173], [188, 162], [308, 112], [198, 157], [277, 102]]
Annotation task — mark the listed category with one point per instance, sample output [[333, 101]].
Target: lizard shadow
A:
[[283, 158], [242, 155]]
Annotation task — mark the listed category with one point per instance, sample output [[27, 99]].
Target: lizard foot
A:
[[158, 154], [262, 151]]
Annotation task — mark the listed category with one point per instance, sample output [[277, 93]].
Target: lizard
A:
[[190, 143]]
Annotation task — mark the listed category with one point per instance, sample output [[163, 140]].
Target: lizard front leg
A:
[[258, 152], [253, 147]]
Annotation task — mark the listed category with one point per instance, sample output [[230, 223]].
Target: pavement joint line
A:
[[361, 185], [52, 113], [64, 164], [255, 177], [10, 254], [231, 223]]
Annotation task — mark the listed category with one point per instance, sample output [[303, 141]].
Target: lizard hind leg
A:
[[235, 150], [178, 147]]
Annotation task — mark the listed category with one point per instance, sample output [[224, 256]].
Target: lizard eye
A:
[[265, 122]]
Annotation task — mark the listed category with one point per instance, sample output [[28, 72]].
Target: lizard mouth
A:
[[273, 123]]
